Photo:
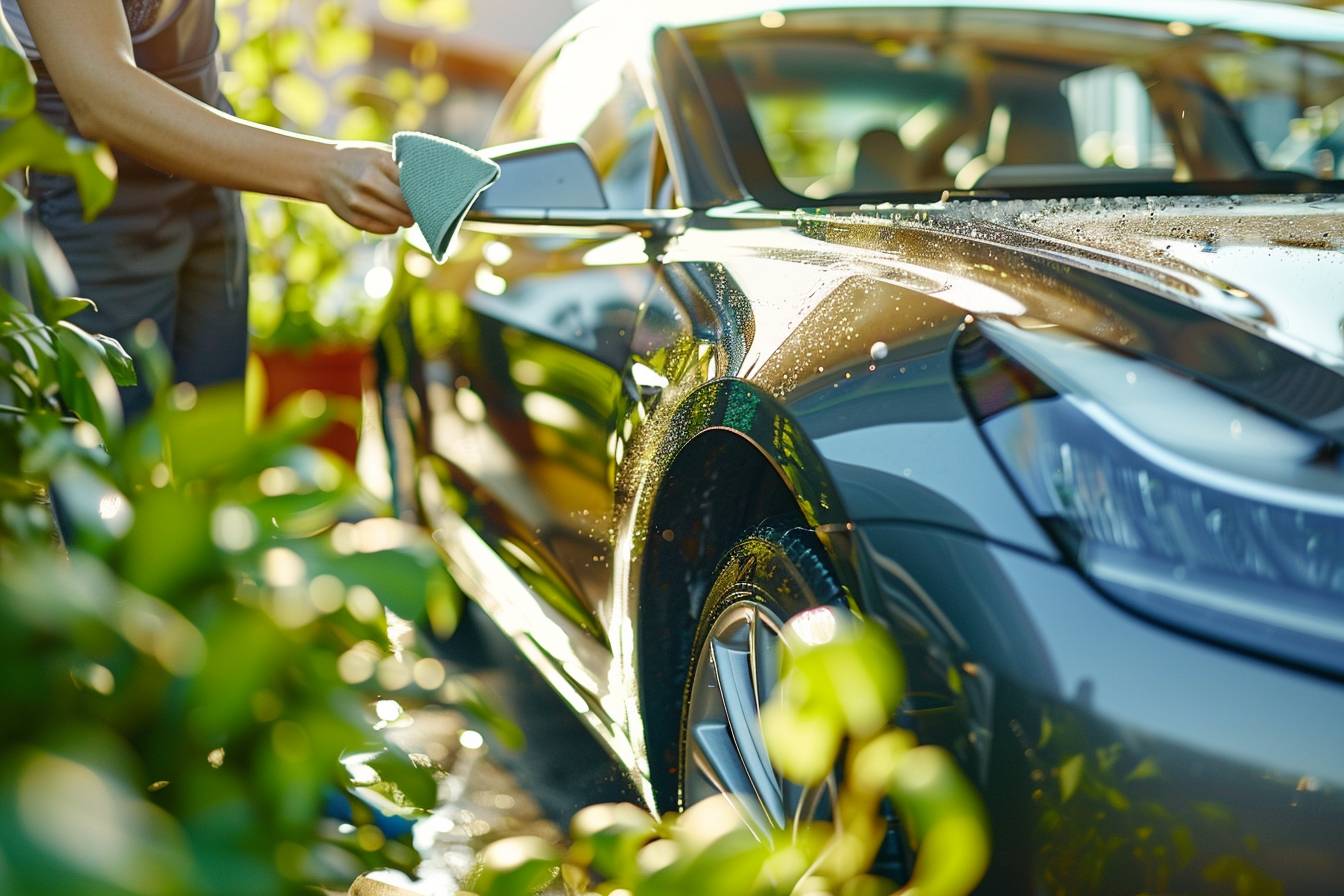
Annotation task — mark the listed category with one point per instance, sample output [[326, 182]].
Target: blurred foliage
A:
[[307, 66], [832, 709], [190, 655], [182, 685]]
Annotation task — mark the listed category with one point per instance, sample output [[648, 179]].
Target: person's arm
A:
[[86, 45]]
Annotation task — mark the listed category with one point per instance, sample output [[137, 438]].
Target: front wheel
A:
[[774, 573]]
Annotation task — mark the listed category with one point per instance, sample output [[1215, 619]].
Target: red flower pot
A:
[[335, 371]]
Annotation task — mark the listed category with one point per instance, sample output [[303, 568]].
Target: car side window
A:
[[588, 92]]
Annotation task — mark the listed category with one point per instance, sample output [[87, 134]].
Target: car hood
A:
[[1275, 265], [1244, 293]]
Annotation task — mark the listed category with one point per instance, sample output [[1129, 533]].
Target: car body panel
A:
[[1089, 724]]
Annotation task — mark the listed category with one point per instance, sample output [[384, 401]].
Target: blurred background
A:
[[477, 47]]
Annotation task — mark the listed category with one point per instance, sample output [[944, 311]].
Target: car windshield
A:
[[834, 105]]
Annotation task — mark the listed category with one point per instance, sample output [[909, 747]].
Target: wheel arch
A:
[[741, 460]]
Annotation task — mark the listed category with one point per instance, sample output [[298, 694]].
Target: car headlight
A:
[[1185, 505]]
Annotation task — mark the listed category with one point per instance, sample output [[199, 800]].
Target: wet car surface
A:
[[1078, 452]]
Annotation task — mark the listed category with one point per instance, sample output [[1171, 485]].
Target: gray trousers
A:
[[166, 250]]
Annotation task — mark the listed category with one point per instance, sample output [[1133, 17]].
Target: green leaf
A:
[[17, 96], [299, 418], [31, 141], [873, 765], [247, 654], [717, 856], [204, 430], [45, 263], [29, 345], [63, 308], [403, 782], [362, 123], [342, 46], [86, 384], [118, 362], [392, 559], [519, 866], [838, 667], [803, 741], [169, 547], [612, 835], [94, 172], [11, 199], [945, 819], [443, 609]]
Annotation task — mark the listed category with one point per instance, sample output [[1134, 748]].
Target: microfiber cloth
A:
[[440, 180]]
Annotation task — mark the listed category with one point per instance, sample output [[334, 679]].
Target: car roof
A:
[[1276, 20]]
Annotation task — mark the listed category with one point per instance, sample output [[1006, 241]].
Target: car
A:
[[1013, 325]]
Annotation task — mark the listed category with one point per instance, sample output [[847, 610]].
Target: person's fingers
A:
[[383, 181], [370, 224], [376, 209], [363, 218]]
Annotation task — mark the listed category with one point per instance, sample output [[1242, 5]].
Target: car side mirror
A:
[[556, 183], [542, 175]]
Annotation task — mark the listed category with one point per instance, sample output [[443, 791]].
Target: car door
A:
[[548, 311]]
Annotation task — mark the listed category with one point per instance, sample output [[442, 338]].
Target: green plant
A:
[[833, 705], [303, 65], [47, 365]]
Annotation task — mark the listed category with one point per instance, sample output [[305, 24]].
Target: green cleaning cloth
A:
[[440, 180]]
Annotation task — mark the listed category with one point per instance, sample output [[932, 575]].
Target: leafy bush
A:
[[198, 665]]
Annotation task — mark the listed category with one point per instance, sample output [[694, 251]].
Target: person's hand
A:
[[361, 184]]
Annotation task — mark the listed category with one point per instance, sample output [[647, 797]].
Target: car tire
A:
[[776, 571]]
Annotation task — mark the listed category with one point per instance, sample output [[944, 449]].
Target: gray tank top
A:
[[143, 17]]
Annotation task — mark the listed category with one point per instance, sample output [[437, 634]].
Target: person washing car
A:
[[142, 76]]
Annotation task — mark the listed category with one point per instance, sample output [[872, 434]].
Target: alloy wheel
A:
[[736, 671]]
